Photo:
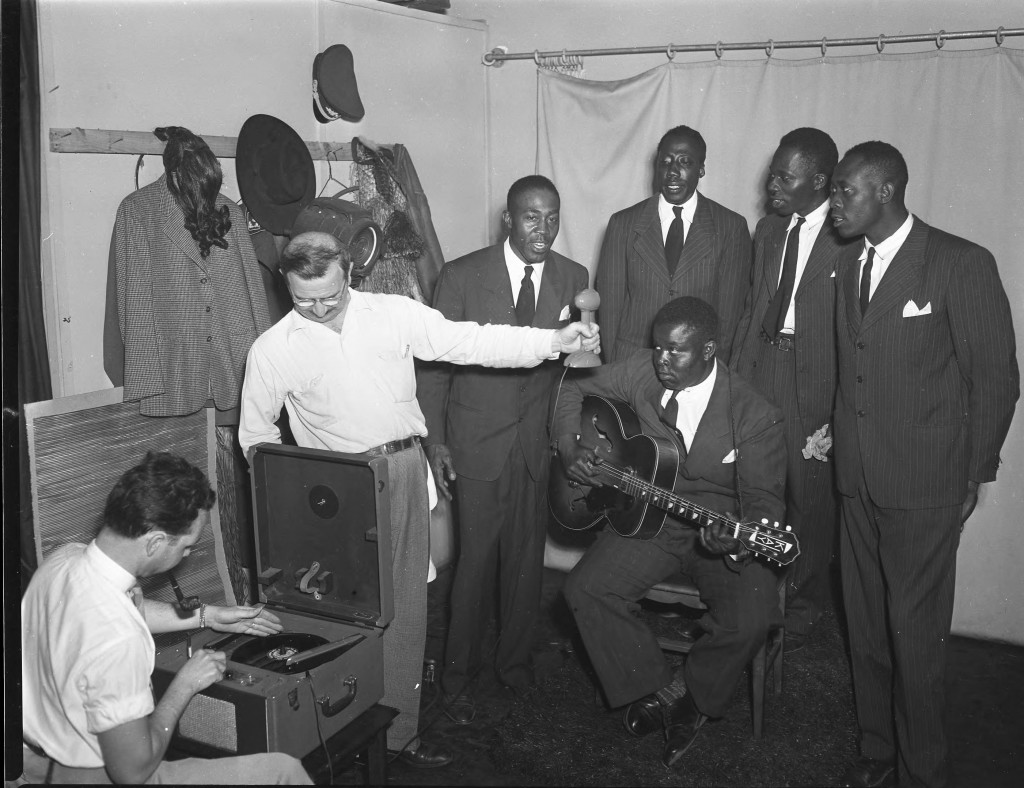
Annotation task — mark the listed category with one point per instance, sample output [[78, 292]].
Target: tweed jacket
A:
[[480, 413], [633, 282], [928, 377], [737, 459], [814, 299], [178, 327]]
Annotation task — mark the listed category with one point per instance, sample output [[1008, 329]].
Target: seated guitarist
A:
[[731, 460]]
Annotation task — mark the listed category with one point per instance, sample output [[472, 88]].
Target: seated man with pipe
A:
[[87, 645]]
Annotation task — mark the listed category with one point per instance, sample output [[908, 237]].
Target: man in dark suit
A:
[[785, 346], [488, 428], [732, 450], [928, 379], [673, 244]]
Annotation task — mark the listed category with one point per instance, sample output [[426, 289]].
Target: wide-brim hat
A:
[[335, 93], [275, 172], [351, 224]]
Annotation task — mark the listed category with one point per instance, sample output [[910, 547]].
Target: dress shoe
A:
[[460, 709], [683, 721], [427, 756], [644, 716], [869, 773]]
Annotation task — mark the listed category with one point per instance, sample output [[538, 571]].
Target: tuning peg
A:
[[764, 520]]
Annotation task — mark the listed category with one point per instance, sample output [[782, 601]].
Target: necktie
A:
[[775, 317], [674, 239], [670, 416], [865, 281], [526, 303]]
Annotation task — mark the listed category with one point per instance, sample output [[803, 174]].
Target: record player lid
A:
[[323, 533]]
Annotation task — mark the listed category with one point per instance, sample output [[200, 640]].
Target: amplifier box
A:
[[323, 553]]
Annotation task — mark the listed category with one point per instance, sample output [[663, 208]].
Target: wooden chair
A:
[[679, 590]]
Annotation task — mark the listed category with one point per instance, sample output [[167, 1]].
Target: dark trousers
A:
[[811, 500], [501, 543], [603, 592], [899, 573]]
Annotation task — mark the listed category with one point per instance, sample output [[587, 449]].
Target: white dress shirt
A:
[[516, 270], [692, 404], [86, 654], [884, 253], [666, 214], [813, 222]]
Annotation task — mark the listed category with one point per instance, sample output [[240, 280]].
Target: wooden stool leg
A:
[[377, 758], [758, 669]]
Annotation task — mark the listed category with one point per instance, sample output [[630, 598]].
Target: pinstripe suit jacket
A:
[[479, 412], [178, 327], [633, 280], [924, 401], [815, 296]]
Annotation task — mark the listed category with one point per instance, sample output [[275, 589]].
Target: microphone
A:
[[587, 301]]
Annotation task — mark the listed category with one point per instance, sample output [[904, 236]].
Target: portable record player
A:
[[323, 553]]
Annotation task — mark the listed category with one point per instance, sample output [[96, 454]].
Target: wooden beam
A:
[[78, 140]]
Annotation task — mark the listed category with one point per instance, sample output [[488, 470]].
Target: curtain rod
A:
[[497, 56]]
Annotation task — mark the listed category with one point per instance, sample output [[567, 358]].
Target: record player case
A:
[[323, 553]]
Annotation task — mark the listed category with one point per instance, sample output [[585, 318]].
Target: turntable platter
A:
[[270, 653]]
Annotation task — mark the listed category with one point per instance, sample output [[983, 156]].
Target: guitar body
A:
[[613, 431]]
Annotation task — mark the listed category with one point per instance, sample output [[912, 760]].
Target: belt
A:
[[783, 342], [392, 447]]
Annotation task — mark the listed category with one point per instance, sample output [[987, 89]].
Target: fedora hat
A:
[[335, 94], [275, 172]]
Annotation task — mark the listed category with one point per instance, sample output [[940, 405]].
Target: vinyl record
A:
[[270, 653]]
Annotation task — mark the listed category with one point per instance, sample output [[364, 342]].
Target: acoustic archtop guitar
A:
[[638, 473]]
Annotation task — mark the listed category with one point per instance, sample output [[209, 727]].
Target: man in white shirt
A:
[[785, 346], [732, 460], [928, 380], [342, 364], [88, 652]]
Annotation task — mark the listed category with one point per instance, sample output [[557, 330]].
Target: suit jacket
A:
[[633, 281], [928, 377], [178, 327], [815, 296], [737, 418], [479, 413]]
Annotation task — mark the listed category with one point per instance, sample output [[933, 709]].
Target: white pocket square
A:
[[832, 275], [730, 457], [911, 310], [564, 314]]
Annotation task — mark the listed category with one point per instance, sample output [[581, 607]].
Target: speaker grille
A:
[[210, 721]]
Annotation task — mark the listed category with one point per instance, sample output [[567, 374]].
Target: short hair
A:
[[690, 311], [310, 255], [883, 161], [815, 146], [164, 492], [526, 184], [194, 179], [686, 133]]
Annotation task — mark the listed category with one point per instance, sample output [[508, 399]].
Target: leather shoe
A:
[[644, 716], [869, 773], [461, 709], [427, 756], [684, 720]]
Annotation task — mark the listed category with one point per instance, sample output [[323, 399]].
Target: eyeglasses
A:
[[307, 303]]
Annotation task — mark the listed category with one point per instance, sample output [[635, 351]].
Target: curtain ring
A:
[[670, 52], [718, 50], [824, 46], [999, 36], [536, 57], [880, 43], [562, 60], [770, 49], [940, 39]]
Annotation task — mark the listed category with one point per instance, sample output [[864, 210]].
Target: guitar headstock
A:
[[774, 542]]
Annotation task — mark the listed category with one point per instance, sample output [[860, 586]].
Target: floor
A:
[[558, 734]]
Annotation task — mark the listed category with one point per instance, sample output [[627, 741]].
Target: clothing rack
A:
[[497, 56], [78, 140]]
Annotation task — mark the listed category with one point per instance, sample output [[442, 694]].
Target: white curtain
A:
[[957, 117]]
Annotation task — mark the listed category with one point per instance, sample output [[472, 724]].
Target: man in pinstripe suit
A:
[[785, 346], [928, 380], [677, 243]]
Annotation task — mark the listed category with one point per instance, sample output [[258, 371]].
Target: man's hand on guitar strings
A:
[[718, 539], [579, 462]]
